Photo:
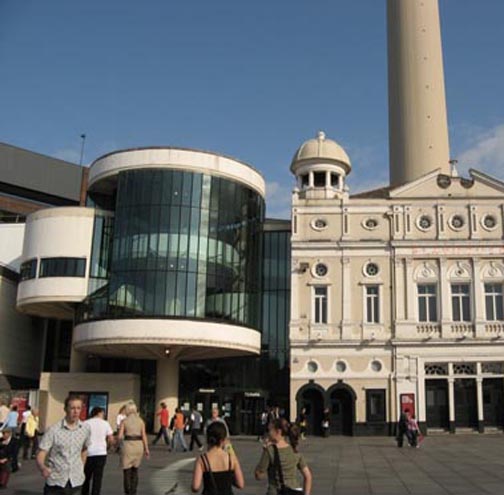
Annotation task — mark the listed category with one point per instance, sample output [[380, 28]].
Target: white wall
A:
[[11, 244]]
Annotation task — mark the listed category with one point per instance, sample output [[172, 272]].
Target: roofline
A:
[[41, 154], [180, 148]]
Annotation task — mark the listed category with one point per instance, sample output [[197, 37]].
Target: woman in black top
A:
[[217, 470]]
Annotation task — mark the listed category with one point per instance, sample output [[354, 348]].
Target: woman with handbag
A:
[[218, 470], [280, 461]]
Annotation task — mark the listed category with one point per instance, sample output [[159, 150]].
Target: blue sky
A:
[[248, 79]]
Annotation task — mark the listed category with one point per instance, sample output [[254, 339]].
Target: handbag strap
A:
[[278, 466]]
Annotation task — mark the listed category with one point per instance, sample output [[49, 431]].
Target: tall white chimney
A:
[[418, 127]]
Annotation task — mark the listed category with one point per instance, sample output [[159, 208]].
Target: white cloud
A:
[[278, 199], [485, 152]]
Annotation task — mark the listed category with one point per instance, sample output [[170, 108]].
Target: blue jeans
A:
[[179, 439]]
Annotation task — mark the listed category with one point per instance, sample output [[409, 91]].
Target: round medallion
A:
[[312, 366], [376, 366], [370, 223], [424, 222], [372, 269], [457, 222], [341, 366], [319, 223], [489, 222], [321, 270]]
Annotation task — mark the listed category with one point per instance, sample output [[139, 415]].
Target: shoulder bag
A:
[[283, 490]]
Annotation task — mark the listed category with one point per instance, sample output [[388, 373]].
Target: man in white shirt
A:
[[101, 437]]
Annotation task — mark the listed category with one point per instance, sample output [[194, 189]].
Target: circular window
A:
[[319, 224], [424, 222], [340, 367], [372, 269], [312, 367], [489, 222], [457, 222], [321, 270], [376, 366], [370, 223]]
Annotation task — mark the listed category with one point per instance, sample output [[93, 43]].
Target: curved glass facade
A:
[[184, 245]]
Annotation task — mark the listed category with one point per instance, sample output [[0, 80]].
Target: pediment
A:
[[436, 185]]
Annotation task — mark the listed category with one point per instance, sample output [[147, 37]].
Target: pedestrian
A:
[[22, 427], [280, 461], [196, 424], [163, 415], [216, 418], [326, 423], [263, 425], [302, 422], [217, 470], [135, 446], [102, 437], [63, 451], [121, 416], [179, 425], [4, 412], [402, 428], [12, 420], [31, 435], [414, 431], [8, 457]]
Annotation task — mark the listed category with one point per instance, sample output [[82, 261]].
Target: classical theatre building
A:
[[397, 293]]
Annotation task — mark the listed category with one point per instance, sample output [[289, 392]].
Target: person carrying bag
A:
[[281, 461]]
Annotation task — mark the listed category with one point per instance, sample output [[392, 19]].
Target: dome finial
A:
[[321, 135]]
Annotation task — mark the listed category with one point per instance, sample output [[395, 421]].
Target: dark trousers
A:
[[195, 438], [130, 480], [162, 433], [93, 470], [60, 490], [4, 475], [30, 442], [401, 433]]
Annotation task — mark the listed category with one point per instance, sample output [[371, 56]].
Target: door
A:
[[205, 403], [341, 412], [493, 402], [312, 401], [466, 408], [250, 415], [436, 396]]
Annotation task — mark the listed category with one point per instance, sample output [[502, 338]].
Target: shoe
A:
[[201, 448]]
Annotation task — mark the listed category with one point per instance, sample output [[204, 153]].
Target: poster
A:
[[408, 403], [98, 400]]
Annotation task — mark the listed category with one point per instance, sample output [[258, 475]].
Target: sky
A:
[[250, 79]]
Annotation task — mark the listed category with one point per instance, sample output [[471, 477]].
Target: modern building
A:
[[397, 293], [28, 182], [161, 270]]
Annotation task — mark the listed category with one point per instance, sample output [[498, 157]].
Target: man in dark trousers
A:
[[402, 428], [196, 424]]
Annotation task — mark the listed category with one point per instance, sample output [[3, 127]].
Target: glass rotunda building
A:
[[163, 264]]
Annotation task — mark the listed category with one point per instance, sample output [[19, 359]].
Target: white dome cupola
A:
[[321, 164]]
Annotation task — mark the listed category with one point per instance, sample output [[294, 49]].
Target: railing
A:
[[494, 328], [429, 329], [462, 330]]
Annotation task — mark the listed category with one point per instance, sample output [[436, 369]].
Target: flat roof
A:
[[29, 170]]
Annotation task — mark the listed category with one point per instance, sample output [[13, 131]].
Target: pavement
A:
[[444, 464]]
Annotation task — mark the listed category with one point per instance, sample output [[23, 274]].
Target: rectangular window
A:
[[427, 303], [63, 267], [376, 411], [372, 304], [320, 304], [28, 270], [461, 302], [494, 302]]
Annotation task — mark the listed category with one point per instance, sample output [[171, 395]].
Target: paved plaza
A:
[[461, 464]]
